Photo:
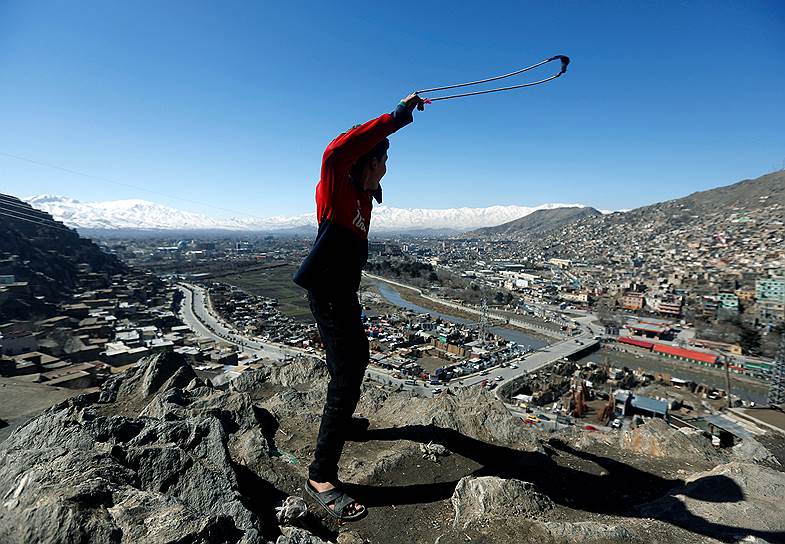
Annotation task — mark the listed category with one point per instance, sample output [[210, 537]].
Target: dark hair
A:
[[377, 152]]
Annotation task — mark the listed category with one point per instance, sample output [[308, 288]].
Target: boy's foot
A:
[[350, 510]]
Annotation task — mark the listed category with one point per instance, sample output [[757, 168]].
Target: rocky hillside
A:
[[38, 250], [538, 222], [161, 456], [740, 227]]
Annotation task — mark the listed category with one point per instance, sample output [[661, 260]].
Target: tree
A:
[[749, 339]]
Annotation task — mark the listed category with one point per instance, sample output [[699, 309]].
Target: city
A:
[[446, 273]]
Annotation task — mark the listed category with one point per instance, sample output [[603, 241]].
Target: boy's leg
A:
[[346, 347]]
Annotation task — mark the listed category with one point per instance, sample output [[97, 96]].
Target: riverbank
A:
[[413, 296]]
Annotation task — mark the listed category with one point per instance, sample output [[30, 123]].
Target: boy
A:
[[352, 167]]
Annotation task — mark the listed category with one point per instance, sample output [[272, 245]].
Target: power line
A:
[[28, 208], [38, 223], [31, 216], [123, 184]]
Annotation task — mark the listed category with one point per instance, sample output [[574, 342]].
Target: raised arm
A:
[[351, 145]]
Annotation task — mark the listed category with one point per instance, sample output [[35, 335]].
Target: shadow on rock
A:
[[602, 485]]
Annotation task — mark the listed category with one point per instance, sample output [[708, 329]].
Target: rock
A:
[[750, 449], [303, 370], [350, 537], [295, 535], [733, 499], [292, 508], [473, 412], [75, 475], [587, 532], [489, 498], [158, 373], [433, 451], [658, 439], [250, 380]]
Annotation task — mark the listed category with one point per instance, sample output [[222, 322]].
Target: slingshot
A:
[[564, 62]]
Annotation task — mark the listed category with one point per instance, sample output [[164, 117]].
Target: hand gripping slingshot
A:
[[564, 62]]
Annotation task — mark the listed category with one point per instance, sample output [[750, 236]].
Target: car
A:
[[484, 373], [499, 378], [616, 423], [436, 391], [513, 365]]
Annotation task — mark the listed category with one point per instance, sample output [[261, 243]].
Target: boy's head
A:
[[369, 169]]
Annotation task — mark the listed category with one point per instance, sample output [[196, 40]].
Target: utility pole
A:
[[727, 380], [483, 321], [777, 385]]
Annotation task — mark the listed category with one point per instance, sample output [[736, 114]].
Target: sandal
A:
[[338, 498]]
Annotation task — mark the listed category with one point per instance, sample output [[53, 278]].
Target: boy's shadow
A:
[[615, 489]]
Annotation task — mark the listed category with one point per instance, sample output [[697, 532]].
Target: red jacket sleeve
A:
[[351, 145]]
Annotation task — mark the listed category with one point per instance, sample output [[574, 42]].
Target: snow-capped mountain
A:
[[144, 215]]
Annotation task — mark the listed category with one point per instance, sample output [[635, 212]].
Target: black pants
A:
[[346, 346]]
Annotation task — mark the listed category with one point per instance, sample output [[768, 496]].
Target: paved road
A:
[[198, 316]]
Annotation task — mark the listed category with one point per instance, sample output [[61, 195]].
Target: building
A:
[[632, 301], [669, 305], [770, 289], [561, 263], [628, 405], [770, 311], [16, 338], [652, 328]]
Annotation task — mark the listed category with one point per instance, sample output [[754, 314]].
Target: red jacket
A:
[[343, 210]]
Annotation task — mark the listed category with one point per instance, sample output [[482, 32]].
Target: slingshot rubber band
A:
[[564, 62]]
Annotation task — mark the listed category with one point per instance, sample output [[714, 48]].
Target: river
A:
[[392, 296]]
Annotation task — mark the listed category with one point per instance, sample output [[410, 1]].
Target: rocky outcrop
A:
[[736, 500], [165, 475], [473, 412], [750, 449], [658, 439], [487, 498]]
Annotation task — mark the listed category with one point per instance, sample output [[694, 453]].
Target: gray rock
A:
[[292, 508], [73, 475], [159, 373], [295, 535], [658, 439], [750, 449], [587, 532], [735, 498], [473, 412], [300, 371], [488, 498]]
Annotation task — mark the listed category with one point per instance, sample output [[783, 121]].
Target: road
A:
[[196, 313]]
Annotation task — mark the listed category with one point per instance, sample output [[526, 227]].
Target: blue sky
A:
[[229, 105]]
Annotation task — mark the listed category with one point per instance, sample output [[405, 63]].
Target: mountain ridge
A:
[[146, 215]]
